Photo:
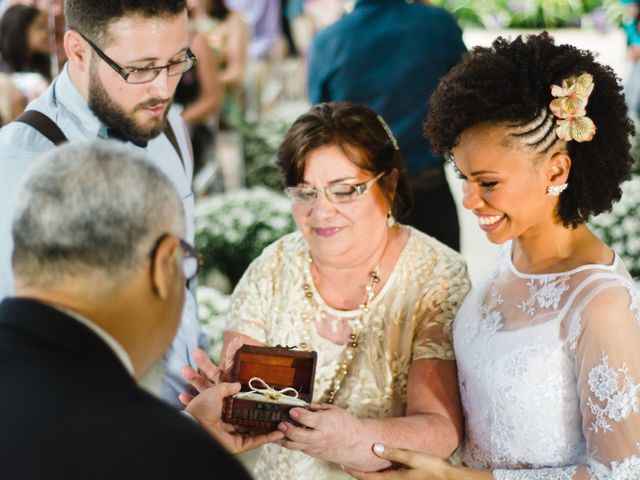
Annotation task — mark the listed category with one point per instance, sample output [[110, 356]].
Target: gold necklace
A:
[[357, 327]]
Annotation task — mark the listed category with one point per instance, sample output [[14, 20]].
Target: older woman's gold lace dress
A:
[[410, 319]]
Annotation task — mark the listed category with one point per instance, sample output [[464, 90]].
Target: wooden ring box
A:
[[280, 368]]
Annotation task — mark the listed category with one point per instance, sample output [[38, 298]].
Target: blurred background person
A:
[[389, 55], [630, 25], [229, 36], [25, 51], [265, 52], [199, 92]]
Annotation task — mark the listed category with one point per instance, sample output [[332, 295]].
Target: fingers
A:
[[394, 454], [206, 366], [185, 398], [298, 434], [214, 395], [228, 356], [227, 389], [414, 460], [306, 417], [199, 382]]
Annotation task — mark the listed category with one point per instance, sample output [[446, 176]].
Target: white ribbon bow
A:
[[271, 395]]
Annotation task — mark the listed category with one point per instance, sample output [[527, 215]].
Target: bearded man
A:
[[124, 61]]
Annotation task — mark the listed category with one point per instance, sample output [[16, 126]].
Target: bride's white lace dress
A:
[[549, 369]]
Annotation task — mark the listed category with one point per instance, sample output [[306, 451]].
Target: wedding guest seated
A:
[[100, 266], [374, 298], [548, 346]]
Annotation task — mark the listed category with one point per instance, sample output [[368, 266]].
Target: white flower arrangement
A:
[[234, 227], [213, 307], [620, 228]]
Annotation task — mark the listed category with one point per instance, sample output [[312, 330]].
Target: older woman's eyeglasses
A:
[[148, 74], [190, 259], [336, 193]]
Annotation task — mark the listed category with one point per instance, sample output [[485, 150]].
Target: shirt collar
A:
[[66, 94], [117, 349]]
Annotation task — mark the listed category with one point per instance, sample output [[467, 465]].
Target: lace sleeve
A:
[[441, 301], [249, 308], [607, 361]]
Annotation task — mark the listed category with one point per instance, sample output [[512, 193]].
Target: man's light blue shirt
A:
[[21, 145]]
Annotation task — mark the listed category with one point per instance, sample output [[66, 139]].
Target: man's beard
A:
[[114, 117]]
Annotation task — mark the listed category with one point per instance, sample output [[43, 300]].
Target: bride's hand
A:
[[417, 466]]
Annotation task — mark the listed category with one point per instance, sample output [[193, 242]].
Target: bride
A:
[[548, 347]]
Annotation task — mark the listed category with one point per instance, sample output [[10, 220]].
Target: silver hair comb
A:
[[390, 134]]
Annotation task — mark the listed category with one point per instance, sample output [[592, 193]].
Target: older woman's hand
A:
[[331, 434], [207, 375], [418, 466]]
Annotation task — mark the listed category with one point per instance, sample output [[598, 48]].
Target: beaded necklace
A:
[[357, 325]]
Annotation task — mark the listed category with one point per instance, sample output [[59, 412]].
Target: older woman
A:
[[548, 346], [375, 299]]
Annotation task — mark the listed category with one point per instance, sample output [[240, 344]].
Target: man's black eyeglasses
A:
[[148, 74], [190, 258]]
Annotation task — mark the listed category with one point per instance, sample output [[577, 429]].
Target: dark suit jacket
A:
[[70, 410]]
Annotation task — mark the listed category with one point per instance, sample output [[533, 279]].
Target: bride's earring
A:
[[556, 190]]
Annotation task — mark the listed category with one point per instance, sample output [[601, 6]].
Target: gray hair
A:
[[94, 207]]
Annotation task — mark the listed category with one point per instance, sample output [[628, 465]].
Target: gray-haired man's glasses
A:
[[336, 193], [148, 74], [190, 258]]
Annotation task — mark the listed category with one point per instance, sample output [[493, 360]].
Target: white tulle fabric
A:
[[410, 319], [549, 369]]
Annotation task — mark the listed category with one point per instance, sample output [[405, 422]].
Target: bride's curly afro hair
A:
[[509, 84]]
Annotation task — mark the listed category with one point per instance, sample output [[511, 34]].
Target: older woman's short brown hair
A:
[[360, 133]]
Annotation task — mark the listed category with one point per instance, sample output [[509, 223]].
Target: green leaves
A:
[[529, 13]]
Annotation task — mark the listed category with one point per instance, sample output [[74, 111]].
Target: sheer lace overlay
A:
[[411, 318], [549, 371]]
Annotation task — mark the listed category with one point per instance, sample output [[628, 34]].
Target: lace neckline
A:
[[589, 266], [374, 301]]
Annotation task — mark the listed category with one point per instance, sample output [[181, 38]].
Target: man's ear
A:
[[164, 266], [558, 168], [78, 50]]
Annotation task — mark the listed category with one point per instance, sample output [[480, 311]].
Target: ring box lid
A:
[[278, 367]]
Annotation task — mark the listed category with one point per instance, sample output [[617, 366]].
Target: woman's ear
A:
[[164, 266], [558, 168]]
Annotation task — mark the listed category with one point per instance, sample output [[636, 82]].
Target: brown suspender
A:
[[43, 124], [47, 127], [174, 141]]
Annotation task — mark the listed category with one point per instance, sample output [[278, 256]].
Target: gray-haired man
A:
[[100, 263]]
